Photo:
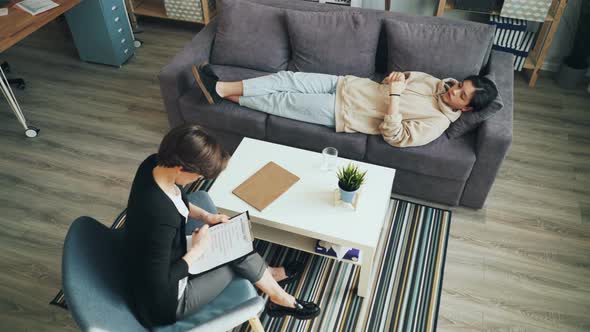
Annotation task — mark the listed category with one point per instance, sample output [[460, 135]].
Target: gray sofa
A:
[[452, 170]]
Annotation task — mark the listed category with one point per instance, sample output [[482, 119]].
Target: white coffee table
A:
[[306, 212]]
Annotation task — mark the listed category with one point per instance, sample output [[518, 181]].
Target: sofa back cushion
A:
[[442, 50], [234, 73], [251, 35], [337, 43]]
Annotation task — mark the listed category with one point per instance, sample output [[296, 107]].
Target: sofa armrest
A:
[[176, 77], [494, 136]]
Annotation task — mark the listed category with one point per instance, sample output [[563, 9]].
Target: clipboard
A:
[[211, 260], [247, 231], [265, 186]]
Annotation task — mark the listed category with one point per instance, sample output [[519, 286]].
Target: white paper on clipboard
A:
[[227, 242]]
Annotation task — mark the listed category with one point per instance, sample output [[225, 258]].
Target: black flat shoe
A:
[[293, 270], [207, 81], [303, 310]]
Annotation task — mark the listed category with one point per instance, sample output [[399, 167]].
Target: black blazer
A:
[[154, 245]]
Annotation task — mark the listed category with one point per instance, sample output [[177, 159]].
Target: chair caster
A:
[[32, 132], [137, 43]]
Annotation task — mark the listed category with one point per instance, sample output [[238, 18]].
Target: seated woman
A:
[[157, 215], [407, 109]]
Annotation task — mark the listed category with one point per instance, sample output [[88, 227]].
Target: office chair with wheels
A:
[[7, 92], [95, 287]]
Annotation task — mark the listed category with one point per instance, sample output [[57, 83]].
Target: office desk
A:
[[13, 28], [18, 24]]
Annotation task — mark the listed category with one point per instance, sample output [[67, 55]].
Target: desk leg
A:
[[14, 106], [366, 277]]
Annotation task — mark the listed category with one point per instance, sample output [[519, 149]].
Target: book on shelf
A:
[[35, 7], [326, 248]]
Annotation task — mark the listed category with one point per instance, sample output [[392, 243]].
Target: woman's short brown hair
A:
[[194, 149]]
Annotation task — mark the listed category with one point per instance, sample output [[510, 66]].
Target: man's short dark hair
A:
[[192, 148], [485, 93]]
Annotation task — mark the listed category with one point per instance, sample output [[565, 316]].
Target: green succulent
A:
[[350, 178]]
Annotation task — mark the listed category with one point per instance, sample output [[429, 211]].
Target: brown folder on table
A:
[[266, 185]]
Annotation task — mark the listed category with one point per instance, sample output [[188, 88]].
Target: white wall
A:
[[560, 47]]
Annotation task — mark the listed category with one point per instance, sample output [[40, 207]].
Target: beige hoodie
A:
[[419, 114]]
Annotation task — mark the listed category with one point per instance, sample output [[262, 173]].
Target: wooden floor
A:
[[520, 264]]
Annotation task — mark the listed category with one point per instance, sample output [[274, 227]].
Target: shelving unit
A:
[[534, 61], [156, 8], [350, 3], [444, 5], [151, 8]]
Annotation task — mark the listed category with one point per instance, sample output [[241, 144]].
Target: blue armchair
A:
[[95, 288]]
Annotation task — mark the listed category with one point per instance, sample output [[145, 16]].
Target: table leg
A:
[[366, 277], [14, 106]]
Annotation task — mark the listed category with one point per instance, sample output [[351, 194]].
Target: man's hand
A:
[[387, 78], [395, 76], [397, 82], [213, 219]]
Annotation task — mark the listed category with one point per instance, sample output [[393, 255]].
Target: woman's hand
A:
[[213, 219], [199, 244]]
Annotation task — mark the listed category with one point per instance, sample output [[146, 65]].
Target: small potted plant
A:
[[350, 179]]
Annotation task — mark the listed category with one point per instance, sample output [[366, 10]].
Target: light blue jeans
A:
[[307, 97]]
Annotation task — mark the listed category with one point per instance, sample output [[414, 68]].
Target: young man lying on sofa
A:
[[407, 109]]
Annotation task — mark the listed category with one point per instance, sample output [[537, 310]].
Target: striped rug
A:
[[406, 289]]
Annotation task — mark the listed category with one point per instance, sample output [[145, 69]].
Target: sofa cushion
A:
[[429, 188], [441, 50], [445, 158], [471, 120], [314, 137], [338, 43], [226, 116], [234, 73], [251, 35]]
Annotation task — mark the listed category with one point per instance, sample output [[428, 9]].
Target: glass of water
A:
[[330, 156]]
